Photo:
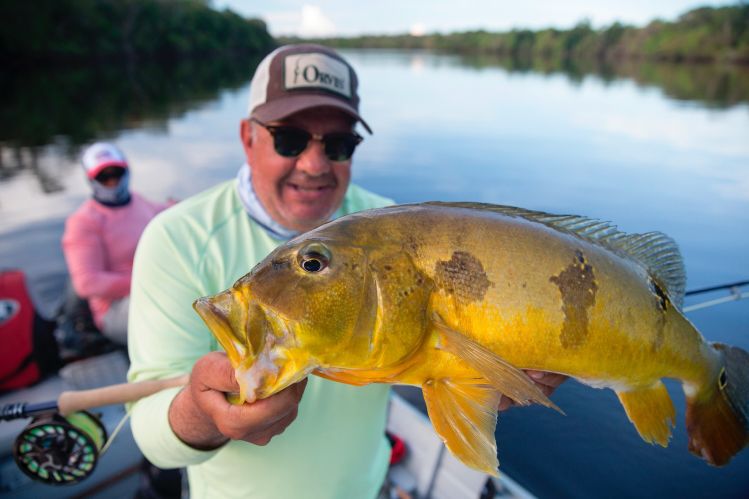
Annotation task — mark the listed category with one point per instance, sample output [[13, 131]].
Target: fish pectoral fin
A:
[[464, 415], [506, 378], [651, 411]]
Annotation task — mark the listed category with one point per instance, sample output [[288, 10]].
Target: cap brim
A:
[[93, 172], [283, 108]]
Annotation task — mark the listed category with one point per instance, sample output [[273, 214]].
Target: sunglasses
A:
[[109, 174], [289, 141]]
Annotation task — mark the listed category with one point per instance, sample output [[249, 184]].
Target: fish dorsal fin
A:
[[657, 252]]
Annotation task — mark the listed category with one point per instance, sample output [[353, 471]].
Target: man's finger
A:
[[214, 372], [505, 403], [546, 378], [271, 408], [258, 421], [265, 436], [299, 389]]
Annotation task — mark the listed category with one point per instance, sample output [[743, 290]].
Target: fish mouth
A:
[[260, 343], [220, 314], [278, 363]]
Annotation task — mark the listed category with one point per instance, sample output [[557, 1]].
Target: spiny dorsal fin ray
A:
[[656, 251]]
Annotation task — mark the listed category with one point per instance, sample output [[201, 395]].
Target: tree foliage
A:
[[705, 34], [115, 29]]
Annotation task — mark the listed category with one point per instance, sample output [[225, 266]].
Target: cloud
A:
[[283, 23], [417, 29], [315, 23]]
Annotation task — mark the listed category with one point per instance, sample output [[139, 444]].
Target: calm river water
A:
[[621, 147]]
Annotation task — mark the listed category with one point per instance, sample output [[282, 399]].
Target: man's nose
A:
[[313, 161]]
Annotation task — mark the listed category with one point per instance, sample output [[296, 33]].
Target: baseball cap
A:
[[101, 155], [293, 78]]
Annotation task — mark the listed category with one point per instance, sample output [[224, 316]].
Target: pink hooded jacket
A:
[[99, 245]]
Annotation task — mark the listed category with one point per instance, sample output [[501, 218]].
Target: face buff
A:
[[118, 195]]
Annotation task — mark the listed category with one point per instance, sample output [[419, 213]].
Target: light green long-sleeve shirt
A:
[[334, 449]]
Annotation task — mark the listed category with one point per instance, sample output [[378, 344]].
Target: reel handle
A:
[[73, 401]]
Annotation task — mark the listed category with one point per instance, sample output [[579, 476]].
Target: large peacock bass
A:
[[457, 298]]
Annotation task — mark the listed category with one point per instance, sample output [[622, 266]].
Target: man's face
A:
[[300, 192]]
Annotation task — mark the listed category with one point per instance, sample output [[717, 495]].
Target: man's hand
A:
[[547, 382], [201, 416]]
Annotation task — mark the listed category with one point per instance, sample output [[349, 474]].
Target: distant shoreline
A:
[[702, 35]]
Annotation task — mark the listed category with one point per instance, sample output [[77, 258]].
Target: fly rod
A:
[[734, 294]]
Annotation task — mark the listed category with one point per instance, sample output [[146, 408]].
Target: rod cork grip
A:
[[74, 401]]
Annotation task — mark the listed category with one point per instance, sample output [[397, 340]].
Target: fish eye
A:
[[313, 258]]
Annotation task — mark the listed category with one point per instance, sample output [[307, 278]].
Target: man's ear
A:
[[245, 133]]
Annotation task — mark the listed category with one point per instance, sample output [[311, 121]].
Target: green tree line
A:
[[50, 30], [704, 34]]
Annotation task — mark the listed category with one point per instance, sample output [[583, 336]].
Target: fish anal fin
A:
[[464, 415], [651, 411], [506, 378]]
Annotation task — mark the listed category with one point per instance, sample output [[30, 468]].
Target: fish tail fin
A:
[[718, 413]]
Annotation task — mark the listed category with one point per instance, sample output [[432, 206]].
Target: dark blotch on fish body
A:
[[463, 276], [578, 287]]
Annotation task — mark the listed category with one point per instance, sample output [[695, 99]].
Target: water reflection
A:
[[717, 86], [711, 85], [62, 108]]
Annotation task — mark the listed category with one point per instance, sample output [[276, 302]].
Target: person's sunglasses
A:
[[290, 141], [109, 174]]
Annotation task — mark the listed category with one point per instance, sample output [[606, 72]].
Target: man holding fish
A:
[[298, 140]]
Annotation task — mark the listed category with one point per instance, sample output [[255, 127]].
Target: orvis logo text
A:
[[317, 71], [312, 75]]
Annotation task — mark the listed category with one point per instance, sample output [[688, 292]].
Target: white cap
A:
[[99, 156]]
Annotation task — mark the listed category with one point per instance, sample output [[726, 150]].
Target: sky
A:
[[351, 17]]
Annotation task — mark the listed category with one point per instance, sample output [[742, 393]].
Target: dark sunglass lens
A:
[[340, 147], [290, 142]]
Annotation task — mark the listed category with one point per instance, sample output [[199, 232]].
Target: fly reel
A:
[[60, 450], [63, 442]]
